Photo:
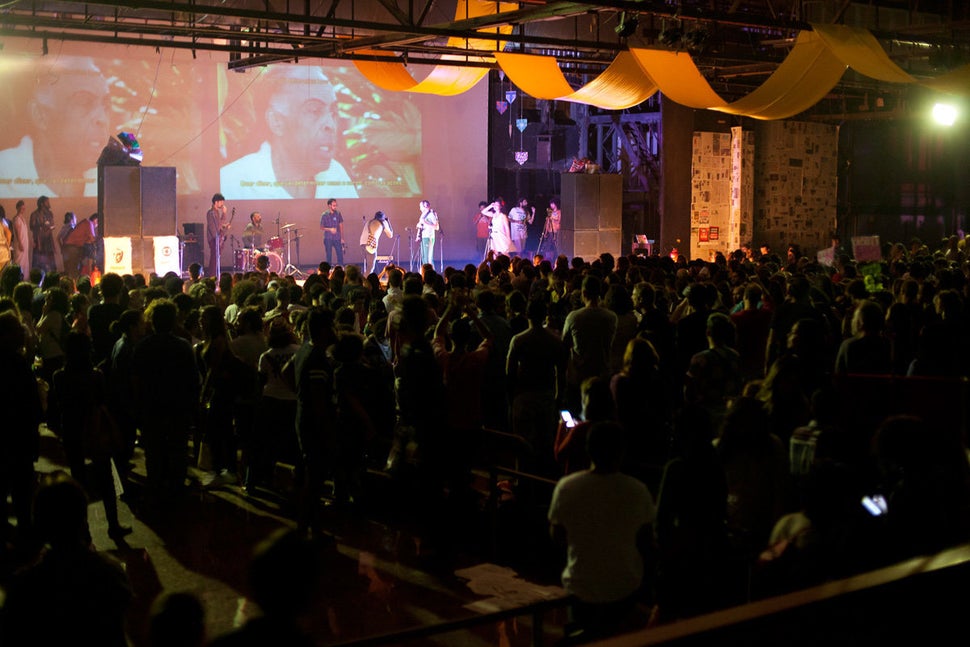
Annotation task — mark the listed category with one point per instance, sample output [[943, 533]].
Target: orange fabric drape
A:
[[802, 80], [678, 78], [622, 85], [444, 80], [860, 50], [808, 73]]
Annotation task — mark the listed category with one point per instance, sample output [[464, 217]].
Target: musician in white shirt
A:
[[427, 226]]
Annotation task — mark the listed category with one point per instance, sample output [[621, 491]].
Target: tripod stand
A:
[[410, 249], [548, 237], [291, 234]]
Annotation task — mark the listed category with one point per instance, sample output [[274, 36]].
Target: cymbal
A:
[[288, 226]]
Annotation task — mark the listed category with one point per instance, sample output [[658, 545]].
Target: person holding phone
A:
[[570, 446], [604, 518], [536, 370]]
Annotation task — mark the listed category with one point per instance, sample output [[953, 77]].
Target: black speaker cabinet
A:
[[592, 208], [158, 214], [193, 251], [139, 201]]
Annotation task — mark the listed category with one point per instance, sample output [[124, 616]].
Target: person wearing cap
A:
[[370, 237]]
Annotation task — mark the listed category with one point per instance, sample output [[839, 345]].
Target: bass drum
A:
[[275, 262]]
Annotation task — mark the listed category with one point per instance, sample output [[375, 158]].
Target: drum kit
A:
[[244, 260]]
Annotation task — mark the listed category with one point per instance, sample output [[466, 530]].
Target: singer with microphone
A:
[[427, 226], [370, 237], [217, 226]]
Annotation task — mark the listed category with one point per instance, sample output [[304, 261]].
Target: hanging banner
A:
[[510, 95], [117, 255], [501, 106], [167, 255], [521, 157], [521, 124]]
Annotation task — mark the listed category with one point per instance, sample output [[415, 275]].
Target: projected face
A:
[[303, 118], [72, 118], [297, 159], [66, 126]]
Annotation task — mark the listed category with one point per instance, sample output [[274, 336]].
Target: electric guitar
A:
[[224, 228]]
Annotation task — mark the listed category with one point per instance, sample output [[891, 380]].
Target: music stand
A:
[[290, 269], [410, 250]]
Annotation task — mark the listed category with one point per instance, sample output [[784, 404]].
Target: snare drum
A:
[[274, 244]]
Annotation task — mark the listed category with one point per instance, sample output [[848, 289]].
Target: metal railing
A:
[[537, 610]]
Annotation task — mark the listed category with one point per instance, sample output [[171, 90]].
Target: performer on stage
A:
[[427, 226], [332, 224], [78, 247], [6, 238], [253, 233], [20, 249], [520, 217], [500, 239], [370, 237], [481, 222], [217, 226], [549, 242], [42, 230]]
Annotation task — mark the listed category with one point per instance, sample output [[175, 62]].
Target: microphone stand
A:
[[410, 249], [441, 251]]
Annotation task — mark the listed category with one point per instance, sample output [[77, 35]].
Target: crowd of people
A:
[[695, 408], [34, 240]]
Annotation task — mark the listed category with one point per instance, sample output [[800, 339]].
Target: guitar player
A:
[[370, 237], [216, 228]]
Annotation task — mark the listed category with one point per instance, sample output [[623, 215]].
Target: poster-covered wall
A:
[[710, 207], [776, 185], [721, 192], [796, 186], [742, 187]]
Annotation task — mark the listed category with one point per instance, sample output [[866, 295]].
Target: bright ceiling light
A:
[[944, 114]]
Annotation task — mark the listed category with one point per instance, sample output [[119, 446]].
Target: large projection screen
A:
[[279, 140]]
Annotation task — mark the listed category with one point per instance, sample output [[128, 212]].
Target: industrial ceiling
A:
[[735, 43]]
